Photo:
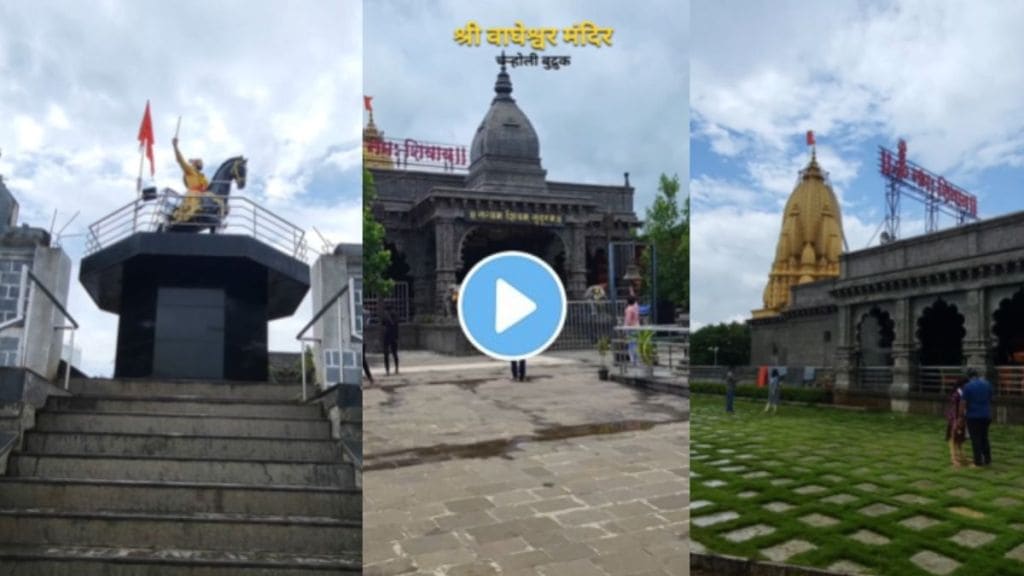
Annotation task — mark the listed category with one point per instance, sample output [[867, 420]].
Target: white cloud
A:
[[278, 83]]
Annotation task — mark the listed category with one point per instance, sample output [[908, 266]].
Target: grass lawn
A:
[[870, 493]]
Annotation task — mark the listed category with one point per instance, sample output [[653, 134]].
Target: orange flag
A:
[[146, 138]]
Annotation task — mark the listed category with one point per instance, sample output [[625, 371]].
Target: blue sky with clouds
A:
[[279, 81], [945, 76], [613, 110]]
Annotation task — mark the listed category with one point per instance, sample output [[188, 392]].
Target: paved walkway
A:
[[467, 472]]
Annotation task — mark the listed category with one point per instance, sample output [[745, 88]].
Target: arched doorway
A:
[[1008, 329], [482, 241], [940, 337], [875, 335]]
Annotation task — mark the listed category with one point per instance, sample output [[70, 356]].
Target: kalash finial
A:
[[503, 85]]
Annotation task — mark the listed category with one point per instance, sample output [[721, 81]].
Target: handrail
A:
[[238, 215], [316, 318], [24, 302]]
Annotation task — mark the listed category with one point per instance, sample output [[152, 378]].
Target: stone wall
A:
[[804, 340]]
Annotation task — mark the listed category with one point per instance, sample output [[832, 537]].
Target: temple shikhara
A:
[[810, 242]]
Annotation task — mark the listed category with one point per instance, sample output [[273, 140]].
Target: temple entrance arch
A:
[[940, 335], [1008, 329], [875, 335], [482, 241]]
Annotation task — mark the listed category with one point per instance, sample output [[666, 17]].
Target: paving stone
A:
[[432, 543], [925, 485], [832, 478], [726, 451], [722, 462], [961, 493], [968, 512], [733, 469], [756, 475], [747, 494], [913, 499], [934, 563], [745, 457], [892, 477], [712, 519], [698, 504], [810, 489], [919, 522], [878, 509], [1006, 502], [866, 487], [715, 483], [778, 507], [787, 550], [869, 537], [1019, 527], [840, 499], [848, 567], [749, 533], [819, 520], [972, 538], [782, 481], [1016, 554]]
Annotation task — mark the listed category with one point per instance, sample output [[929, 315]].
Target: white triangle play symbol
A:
[[510, 306]]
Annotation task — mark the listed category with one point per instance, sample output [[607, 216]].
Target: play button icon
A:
[[511, 306]]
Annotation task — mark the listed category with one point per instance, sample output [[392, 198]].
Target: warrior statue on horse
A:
[[205, 204]]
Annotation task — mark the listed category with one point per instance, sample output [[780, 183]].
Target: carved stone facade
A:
[[440, 224], [908, 317]]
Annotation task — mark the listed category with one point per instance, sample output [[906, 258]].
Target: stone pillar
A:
[[845, 350], [903, 369], [577, 261], [444, 271], [977, 339]]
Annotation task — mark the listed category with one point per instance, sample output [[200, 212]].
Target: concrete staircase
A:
[[179, 478]]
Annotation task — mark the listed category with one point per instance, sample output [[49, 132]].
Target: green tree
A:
[[732, 340], [667, 227], [376, 258]]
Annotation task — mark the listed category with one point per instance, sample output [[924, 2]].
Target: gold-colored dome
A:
[[375, 158], [810, 242]]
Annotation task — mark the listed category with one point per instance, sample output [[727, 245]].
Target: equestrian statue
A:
[[205, 204]]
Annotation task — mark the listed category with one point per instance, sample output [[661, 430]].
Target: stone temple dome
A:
[[505, 149], [810, 242]]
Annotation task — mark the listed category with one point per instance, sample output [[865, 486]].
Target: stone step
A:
[[197, 388], [237, 407], [172, 446], [162, 497], [98, 467], [100, 561], [186, 424], [290, 535]]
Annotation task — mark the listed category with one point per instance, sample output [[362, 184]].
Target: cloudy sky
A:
[[279, 81], [945, 76], [613, 110]]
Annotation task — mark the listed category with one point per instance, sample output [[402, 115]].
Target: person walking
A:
[[631, 319], [389, 342], [730, 390], [955, 425], [977, 408], [519, 370], [774, 385]]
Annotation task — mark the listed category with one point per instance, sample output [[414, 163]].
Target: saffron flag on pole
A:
[[146, 138], [810, 137], [368, 103]]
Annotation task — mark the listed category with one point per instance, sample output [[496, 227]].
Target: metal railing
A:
[[586, 321], [316, 318], [937, 379], [1009, 380], [26, 293], [671, 346], [226, 214], [397, 301], [874, 378]]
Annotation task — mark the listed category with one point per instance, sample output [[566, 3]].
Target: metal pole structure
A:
[[654, 284], [612, 292], [302, 360], [71, 357]]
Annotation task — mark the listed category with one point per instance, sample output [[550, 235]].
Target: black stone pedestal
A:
[[194, 305]]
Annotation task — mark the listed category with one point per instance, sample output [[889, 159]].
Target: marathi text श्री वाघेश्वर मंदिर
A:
[[584, 33]]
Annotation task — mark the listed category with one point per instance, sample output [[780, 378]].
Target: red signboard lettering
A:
[[895, 166]]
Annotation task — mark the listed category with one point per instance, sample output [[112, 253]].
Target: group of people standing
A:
[[774, 391], [389, 344]]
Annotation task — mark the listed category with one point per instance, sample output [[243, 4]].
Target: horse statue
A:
[[208, 209]]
